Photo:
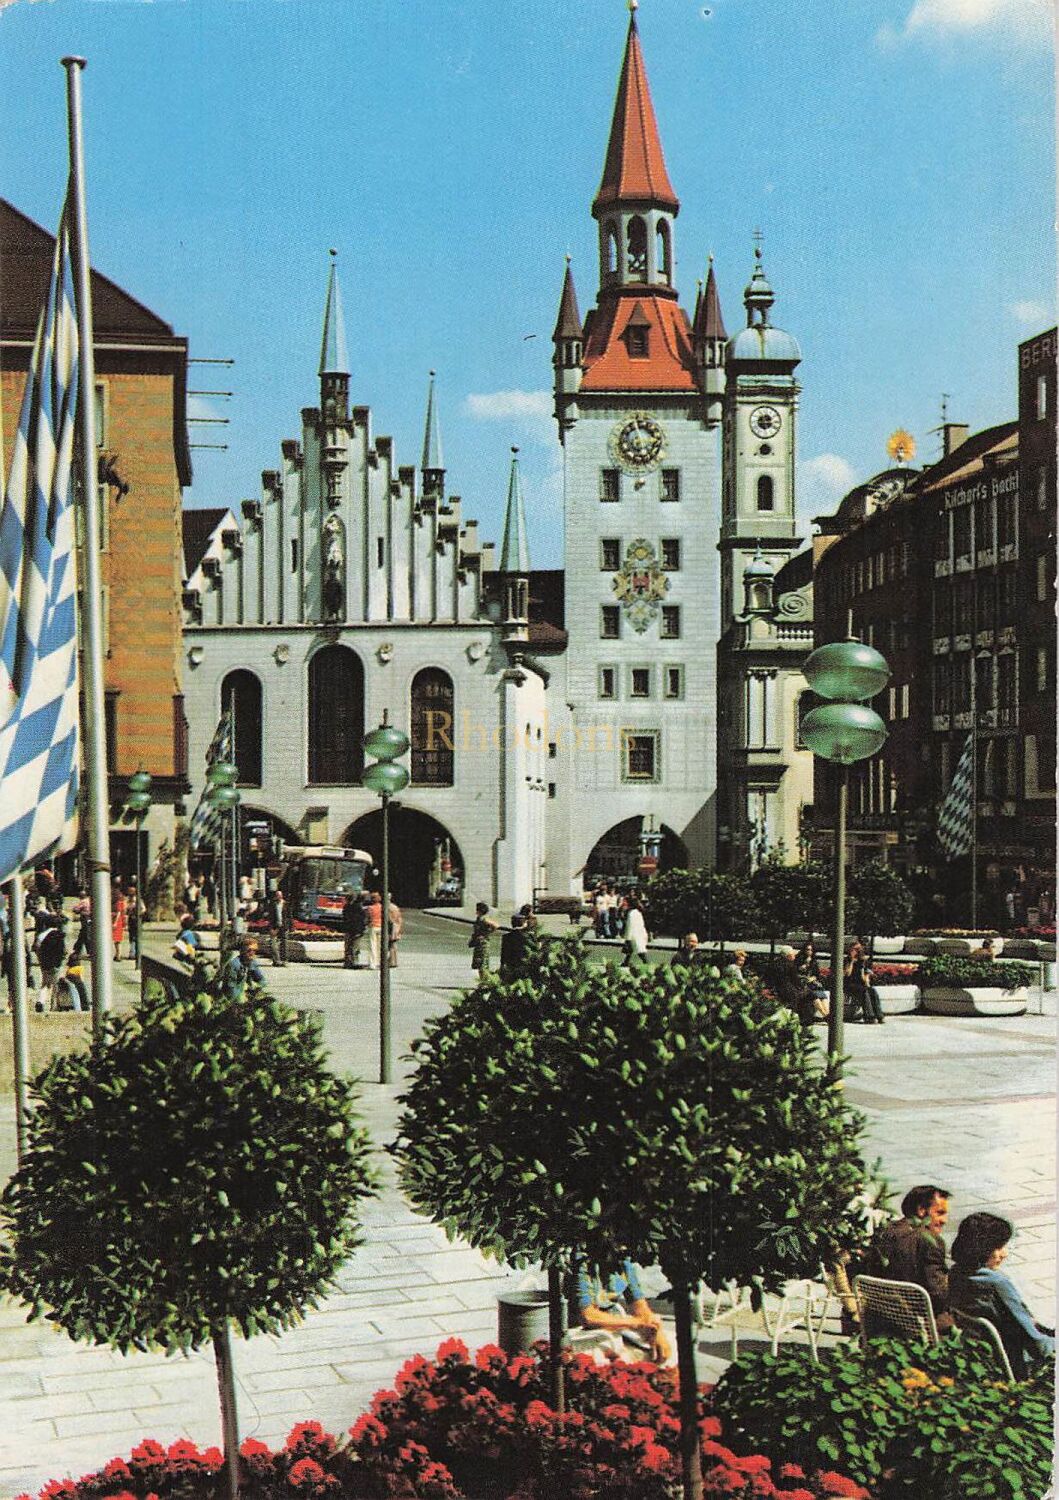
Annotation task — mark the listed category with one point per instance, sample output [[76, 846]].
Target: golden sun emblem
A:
[[901, 446]]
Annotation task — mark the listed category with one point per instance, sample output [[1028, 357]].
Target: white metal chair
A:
[[803, 1306], [989, 1334], [897, 1309]]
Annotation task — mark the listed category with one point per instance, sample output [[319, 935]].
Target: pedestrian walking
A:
[[83, 913], [353, 923], [396, 931], [482, 929], [635, 932], [50, 945], [278, 926], [119, 910], [513, 949], [374, 927]]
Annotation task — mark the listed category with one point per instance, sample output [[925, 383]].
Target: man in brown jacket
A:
[[911, 1248]]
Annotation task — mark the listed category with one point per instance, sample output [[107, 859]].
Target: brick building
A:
[[144, 463]]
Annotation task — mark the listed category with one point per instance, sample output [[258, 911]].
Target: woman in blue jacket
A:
[[978, 1286]]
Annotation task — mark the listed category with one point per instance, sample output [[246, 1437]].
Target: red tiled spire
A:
[[635, 169], [568, 323], [709, 324]]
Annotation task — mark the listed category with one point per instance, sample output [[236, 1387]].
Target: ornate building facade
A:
[[554, 718]]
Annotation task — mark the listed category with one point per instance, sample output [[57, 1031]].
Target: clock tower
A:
[[638, 394], [760, 404]]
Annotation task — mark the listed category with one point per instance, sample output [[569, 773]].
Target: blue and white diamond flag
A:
[[206, 820], [956, 814], [39, 740]]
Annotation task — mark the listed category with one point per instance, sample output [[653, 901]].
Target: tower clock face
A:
[[638, 444], [765, 421]]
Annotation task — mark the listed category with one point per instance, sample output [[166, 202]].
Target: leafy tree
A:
[[196, 1168], [880, 903], [688, 1125], [791, 896], [717, 906]]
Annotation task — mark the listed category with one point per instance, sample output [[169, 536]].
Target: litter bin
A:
[[522, 1319]]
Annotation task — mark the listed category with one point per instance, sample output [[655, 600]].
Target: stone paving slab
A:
[[948, 1100]]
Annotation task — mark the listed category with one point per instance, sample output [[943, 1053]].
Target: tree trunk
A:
[[690, 1450], [222, 1353], [555, 1337]]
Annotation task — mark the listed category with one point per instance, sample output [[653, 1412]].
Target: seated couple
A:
[[615, 1320]]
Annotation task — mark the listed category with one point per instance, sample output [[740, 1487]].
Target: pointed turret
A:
[[709, 337], [514, 559], [433, 460], [568, 339], [334, 387]]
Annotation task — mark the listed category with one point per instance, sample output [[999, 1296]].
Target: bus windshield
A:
[[332, 876]]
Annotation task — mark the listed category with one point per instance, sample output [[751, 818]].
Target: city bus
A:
[[317, 878]]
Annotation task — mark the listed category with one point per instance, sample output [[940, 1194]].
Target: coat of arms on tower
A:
[[640, 585]]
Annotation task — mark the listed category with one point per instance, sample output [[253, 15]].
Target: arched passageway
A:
[[616, 856], [426, 866]]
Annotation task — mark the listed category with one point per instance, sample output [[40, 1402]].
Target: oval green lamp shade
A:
[[138, 802], [846, 671], [140, 781], [224, 797], [843, 732], [222, 773], [385, 743], [384, 776]]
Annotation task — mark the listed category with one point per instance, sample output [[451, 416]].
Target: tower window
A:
[[765, 492], [640, 682], [673, 682], [1042, 397], [662, 251], [610, 622], [610, 554], [612, 250], [670, 622], [670, 484], [671, 554], [609, 485], [607, 685], [636, 341], [640, 755], [636, 239]]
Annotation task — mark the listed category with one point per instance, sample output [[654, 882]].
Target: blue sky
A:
[[897, 154]]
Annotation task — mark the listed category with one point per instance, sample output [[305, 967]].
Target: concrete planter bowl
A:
[[899, 999], [888, 946], [962, 947], [979, 1001], [209, 939], [920, 947], [1021, 948], [326, 951]]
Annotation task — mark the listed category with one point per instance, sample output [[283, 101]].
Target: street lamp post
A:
[[385, 777], [137, 804], [223, 795], [843, 731]]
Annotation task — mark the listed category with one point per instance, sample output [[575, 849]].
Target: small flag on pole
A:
[[206, 820], [956, 814], [39, 741]]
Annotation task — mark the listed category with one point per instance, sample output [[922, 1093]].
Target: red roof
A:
[[607, 364], [635, 169]]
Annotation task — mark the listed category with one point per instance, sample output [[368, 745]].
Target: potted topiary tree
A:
[[792, 897], [880, 906], [654, 1112], [197, 1168]]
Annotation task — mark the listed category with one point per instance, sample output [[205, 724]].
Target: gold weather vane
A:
[[901, 446]]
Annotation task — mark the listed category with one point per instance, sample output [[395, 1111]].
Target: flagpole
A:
[[17, 986], [974, 790], [97, 831]]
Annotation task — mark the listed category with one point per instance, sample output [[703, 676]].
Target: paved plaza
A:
[[965, 1103]]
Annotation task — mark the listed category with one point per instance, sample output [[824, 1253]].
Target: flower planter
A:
[[324, 952], [979, 1001], [1021, 948], [899, 999], [888, 945], [922, 947]]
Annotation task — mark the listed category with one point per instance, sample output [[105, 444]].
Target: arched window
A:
[[637, 245], [612, 250], [765, 492], [662, 250], [432, 719], [336, 717], [241, 694]]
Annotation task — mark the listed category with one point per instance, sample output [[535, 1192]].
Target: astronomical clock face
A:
[[638, 444], [765, 421]]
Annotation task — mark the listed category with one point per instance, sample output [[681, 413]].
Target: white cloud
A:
[[1021, 20], [505, 406], [1029, 313], [822, 482]]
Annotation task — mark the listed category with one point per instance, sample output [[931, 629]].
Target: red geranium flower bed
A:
[[454, 1428]]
